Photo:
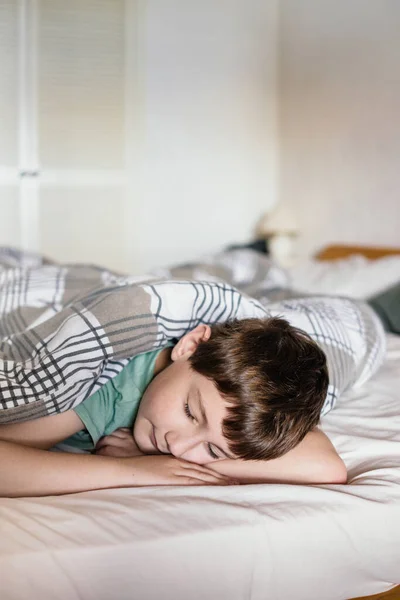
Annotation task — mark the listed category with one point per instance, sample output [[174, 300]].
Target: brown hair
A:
[[274, 378]]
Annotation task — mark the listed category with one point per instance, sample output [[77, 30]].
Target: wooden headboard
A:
[[338, 251]]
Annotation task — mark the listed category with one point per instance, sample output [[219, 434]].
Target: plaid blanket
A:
[[66, 329]]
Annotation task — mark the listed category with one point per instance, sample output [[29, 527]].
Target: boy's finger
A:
[[101, 451], [109, 440], [205, 470], [115, 435], [121, 433], [100, 444], [108, 451], [211, 478]]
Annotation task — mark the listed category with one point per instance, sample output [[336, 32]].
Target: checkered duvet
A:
[[66, 329]]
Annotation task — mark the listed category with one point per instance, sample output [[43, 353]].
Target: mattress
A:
[[279, 542]]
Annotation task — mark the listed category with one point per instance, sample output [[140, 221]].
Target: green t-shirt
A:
[[116, 403]]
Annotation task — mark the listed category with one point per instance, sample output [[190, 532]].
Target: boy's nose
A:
[[181, 446]]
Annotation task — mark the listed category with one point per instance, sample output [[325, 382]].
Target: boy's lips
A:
[[153, 440]]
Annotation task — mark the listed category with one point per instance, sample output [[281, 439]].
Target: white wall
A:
[[176, 97], [200, 125], [340, 119], [204, 167]]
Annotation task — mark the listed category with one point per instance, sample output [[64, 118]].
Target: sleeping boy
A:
[[237, 402]]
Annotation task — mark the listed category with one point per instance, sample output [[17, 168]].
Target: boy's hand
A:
[[157, 469], [119, 444], [165, 469]]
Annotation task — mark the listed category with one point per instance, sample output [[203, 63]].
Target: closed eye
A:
[[188, 413], [211, 453], [192, 418]]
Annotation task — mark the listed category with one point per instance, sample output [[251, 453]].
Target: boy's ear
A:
[[189, 342]]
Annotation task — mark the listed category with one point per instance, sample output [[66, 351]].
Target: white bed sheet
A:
[[255, 542]]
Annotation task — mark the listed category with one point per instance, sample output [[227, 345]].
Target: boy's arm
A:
[[44, 432], [28, 471], [313, 461]]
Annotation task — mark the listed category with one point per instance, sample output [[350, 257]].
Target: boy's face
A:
[[182, 411]]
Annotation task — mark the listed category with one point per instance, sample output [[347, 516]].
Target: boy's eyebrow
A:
[[203, 414], [199, 400]]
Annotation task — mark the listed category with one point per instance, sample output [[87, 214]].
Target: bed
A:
[[279, 542]]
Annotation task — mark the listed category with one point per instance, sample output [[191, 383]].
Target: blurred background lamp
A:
[[280, 229]]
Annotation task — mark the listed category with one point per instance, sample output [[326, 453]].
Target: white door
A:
[[62, 111]]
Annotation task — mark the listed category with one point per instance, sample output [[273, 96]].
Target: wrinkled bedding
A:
[[65, 330], [259, 542]]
